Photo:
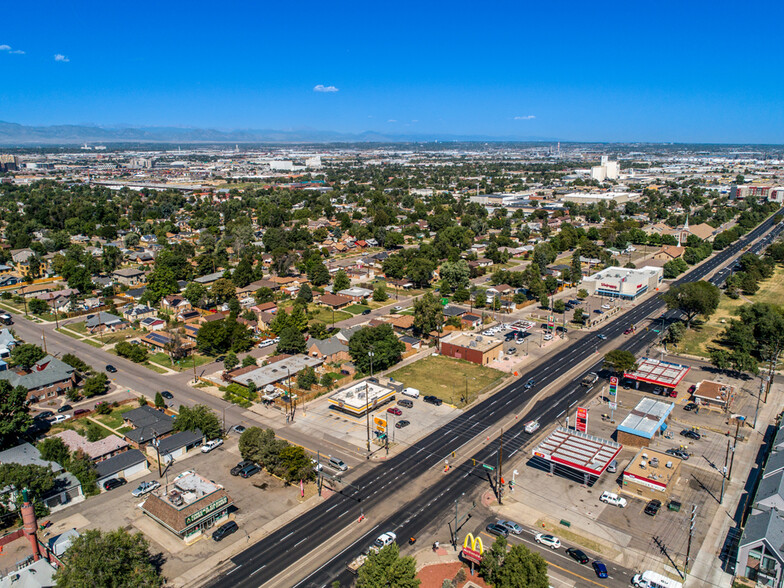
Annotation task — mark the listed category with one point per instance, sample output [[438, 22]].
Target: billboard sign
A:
[[582, 419], [613, 386], [473, 548]]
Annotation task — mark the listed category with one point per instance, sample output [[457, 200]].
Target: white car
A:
[[613, 499], [145, 487], [384, 540], [210, 445], [548, 337], [398, 308], [412, 392], [606, 306], [549, 540], [60, 418]]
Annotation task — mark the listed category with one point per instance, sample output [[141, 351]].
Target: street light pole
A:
[[367, 402]]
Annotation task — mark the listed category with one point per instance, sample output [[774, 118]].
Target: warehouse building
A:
[[626, 283]]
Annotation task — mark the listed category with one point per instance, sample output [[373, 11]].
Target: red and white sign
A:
[[472, 555], [610, 286], [582, 419]]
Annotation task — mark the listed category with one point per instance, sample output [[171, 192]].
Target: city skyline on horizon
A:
[[571, 73]]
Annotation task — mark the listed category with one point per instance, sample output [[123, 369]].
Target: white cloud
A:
[[61, 57], [392, 120], [17, 52], [323, 88], [5, 47], [526, 117]]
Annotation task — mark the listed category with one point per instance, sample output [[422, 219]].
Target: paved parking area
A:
[[258, 500]]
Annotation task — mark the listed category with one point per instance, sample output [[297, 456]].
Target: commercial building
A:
[[278, 372], [579, 453], [596, 197], [644, 422], [714, 394], [651, 474], [659, 373], [189, 506], [479, 349], [606, 170], [361, 398], [621, 282]]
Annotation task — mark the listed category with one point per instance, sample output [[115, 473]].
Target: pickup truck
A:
[[590, 379], [356, 563]]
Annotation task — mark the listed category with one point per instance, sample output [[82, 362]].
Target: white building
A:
[[607, 170], [621, 282], [596, 197]]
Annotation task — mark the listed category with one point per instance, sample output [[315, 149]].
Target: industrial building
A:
[[606, 170], [626, 283]]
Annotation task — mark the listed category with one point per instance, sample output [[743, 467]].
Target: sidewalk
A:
[[707, 568]]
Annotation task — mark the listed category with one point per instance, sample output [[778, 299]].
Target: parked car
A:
[[402, 424], [599, 311], [652, 507], [613, 499], [548, 540], [679, 453], [398, 308], [113, 483], [692, 389], [60, 418], [511, 526], [658, 391], [672, 393], [145, 488], [496, 529], [65, 408], [240, 429], [44, 415], [578, 555], [394, 410], [433, 400], [405, 403], [690, 434], [628, 332], [249, 470], [81, 411], [599, 568], [235, 471], [366, 311], [606, 306], [167, 395], [210, 445], [511, 350], [412, 392], [690, 406], [111, 369], [224, 530]]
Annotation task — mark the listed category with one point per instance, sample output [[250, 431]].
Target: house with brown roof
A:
[[703, 230], [669, 252], [334, 300], [175, 303]]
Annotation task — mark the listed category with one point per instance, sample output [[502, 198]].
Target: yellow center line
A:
[[576, 575]]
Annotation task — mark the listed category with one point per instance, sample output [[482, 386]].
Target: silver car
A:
[[511, 526]]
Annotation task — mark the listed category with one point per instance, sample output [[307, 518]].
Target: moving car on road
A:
[[599, 568], [578, 555], [602, 337], [496, 529], [511, 526], [387, 538], [111, 369], [167, 395], [549, 540]]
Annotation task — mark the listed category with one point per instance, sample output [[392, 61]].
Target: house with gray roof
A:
[[102, 321], [48, 378], [128, 464], [332, 349], [129, 276], [770, 493], [774, 465], [760, 551], [148, 423], [7, 342], [209, 278], [177, 445]]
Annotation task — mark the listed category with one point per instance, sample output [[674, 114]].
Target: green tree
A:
[[39, 480], [54, 449], [559, 306], [95, 385], [161, 282], [76, 363], [522, 568], [160, 402], [456, 274], [318, 330], [305, 294], [291, 341], [14, 417], [248, 361], [341, 281], [294, 464], [578, 316], [582, 293], [386, 568], [115, 558], [492, 559], [461, 295], [261, 446], [620, 360], [136, 353], [306, 378], [675, 333], [27, 355], [318, 274], [83, 468], [94, 432], [380, 293], [222, 290], [195, 293], [693, 299], [213, 338], [198, 417], [428, 314], [263, 295], [231, 361], [243, 273], [37, 306], [382, 341], [420, 271]]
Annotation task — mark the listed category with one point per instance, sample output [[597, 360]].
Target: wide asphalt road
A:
[[292, 542]]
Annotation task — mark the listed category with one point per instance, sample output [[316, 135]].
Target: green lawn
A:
[[78, 327], [355, 308], [702, 333], [69, 333], [114, 419], [448, 378], [162, 358], [80, 426], [325, 315]]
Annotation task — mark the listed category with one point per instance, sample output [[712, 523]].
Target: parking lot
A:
[[627, 533], [258, 500]]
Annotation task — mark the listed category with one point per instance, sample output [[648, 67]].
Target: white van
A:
[[649, 579], [412, 392]]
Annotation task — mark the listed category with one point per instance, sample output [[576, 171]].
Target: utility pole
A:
[[691, 534], [499, 479], [155, 443], [43, 336], [367, 402], [734, 446], [663, 548], [457, 522], [756, 410], [724, 472]]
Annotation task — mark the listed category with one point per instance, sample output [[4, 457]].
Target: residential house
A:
[[330, 350], [191, 332], [334, 300], [133, 313], [189, 316], [129, 276], [48, 378], [346, 333], [209, 278], [175, 303], [356, 293], [761, 549], [95, 450], [470, 321], [177, 445], [152, 323], [21, 259], [104, 321], [7, 343], [148, 423], [669, 252]]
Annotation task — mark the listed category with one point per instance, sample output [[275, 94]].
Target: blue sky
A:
[[607, 71]]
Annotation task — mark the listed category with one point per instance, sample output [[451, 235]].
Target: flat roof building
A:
[[277, 372], [651, 474], [660, 373], [578, 452], [361, 398], [715, 394], [476, 348], [626, 283], [644, 422]]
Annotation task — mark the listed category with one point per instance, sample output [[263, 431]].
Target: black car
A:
[[113, 483], [577, 555], [652, 507], [690, 406], [405, 403], [366, 311], [235, 471], [401, 424], [224, 530], [167, 395], [111, 369], [47, 414], [689, 434], [248, 471], [65, 408], [496, 529], [433, 400]]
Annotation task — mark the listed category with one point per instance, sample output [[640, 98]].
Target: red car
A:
[[692, 389], [628, 331], [395, 411]]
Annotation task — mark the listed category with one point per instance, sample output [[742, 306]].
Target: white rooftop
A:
[[354, 396]]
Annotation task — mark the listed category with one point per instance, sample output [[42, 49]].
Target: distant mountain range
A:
[[16, 134]]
